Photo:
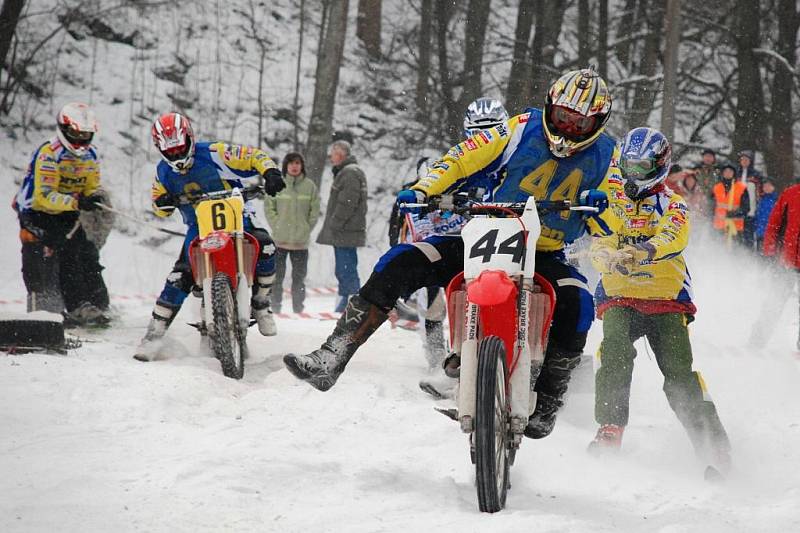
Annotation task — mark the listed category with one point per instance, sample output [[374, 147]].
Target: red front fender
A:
[[491, 287]]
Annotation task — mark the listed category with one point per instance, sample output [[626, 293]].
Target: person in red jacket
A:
[[781, 243]]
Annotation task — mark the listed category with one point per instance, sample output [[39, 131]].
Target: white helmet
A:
[[76, 128], [482, 114]]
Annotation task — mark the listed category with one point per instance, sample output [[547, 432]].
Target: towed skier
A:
[[645, 290], [555, 154], [188, 170], [58, 260]]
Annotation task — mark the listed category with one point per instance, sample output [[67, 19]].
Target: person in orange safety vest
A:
[[731, 204]]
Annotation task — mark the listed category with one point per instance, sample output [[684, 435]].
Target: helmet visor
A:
[[637, 169], [572, 124], [176, 153], [77, 137]]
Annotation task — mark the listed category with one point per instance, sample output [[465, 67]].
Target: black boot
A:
[[543, 419], [551, 387], [322, 367]]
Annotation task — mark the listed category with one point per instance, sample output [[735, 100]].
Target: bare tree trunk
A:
[[780, 157], [584, 19], [424, 51], [645, 94], [296, 103], [9, 17], [549, 19], [475, 36], [749, 119], [602, 38], [519, 79], [445, 73], [368, 26], [329, 61], [673, 31], [624, 29]]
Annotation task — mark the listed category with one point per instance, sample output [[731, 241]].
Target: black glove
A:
[[89, 203], [273, 181], [166, 202]]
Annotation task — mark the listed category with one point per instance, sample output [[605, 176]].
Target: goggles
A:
[[570, 123], [176, 152], [637, 168]]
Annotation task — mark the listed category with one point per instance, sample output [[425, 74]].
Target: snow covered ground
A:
[[95, 441]]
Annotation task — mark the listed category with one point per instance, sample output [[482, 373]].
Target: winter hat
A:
[[727, 165], [709, 151], [749, 154]]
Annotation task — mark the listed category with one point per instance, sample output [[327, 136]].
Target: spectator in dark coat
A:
[[763, 211], [707, 171], [345, 226]]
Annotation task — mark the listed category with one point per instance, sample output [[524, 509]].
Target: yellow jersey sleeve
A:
[[243, 158], [672, 233], [609, 221], [46, 183], [467, 158], [157, 191]]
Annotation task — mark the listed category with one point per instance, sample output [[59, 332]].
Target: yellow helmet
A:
[[577, 108]]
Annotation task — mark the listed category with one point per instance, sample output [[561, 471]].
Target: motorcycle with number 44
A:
[[499, 311], [223, 260]]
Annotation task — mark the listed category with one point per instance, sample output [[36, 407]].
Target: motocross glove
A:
[[166, 202], [407, 196], [273, 181], [594, 198], [89, 203]]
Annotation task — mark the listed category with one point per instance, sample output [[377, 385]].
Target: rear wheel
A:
[[491, 426], [227, 341]]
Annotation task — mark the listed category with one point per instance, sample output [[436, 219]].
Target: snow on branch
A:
[[776, 55]]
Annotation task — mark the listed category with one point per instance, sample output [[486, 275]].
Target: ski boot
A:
[[88, 315], [322, 367], [608, 438]]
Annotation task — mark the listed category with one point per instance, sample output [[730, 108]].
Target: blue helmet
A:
[[645, 158]]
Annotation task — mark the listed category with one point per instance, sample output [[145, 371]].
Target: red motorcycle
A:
[[500, 311], [223, 259]]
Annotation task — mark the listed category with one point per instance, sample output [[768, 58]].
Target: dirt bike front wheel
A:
[[227, 340], [491, 426]]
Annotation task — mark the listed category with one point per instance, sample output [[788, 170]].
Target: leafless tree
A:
[[329, 61]]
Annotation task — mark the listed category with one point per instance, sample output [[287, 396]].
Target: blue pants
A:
[[346, 270]]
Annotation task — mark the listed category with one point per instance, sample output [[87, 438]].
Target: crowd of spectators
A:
[[735, 200]]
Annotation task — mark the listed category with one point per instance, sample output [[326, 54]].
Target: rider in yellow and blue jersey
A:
[[188, 170], [558, 153]]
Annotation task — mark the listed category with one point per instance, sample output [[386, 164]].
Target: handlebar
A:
[[465, 206], [247, 195]]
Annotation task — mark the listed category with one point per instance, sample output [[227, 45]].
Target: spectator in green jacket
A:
[[292, 214]]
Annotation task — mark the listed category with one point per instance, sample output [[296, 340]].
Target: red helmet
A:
[[172, 135], [76, 128]]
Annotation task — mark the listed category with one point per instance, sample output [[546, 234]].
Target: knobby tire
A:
[[227, 340], [491, 426]]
